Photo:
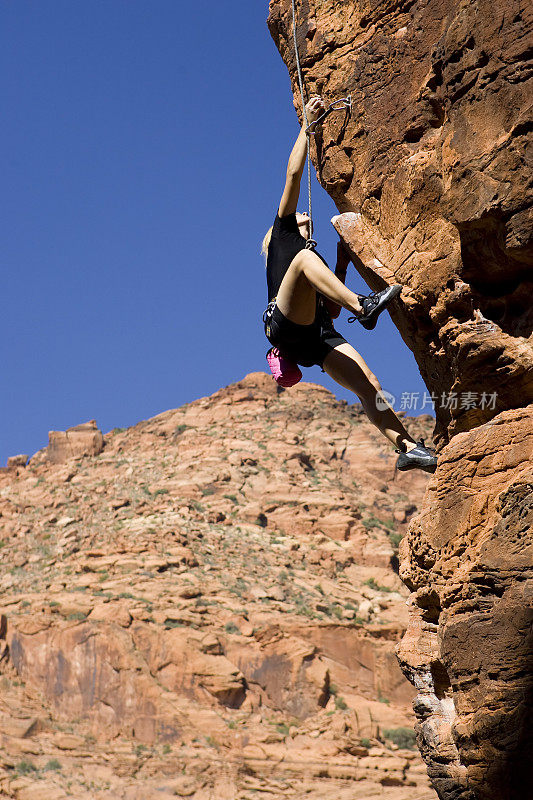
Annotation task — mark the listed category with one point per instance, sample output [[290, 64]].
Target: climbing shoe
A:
[[374, 304], [420, 457]]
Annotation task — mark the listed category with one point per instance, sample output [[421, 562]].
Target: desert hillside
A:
[[207, 604]]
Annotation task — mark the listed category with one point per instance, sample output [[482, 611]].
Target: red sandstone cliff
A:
[[432, 179]]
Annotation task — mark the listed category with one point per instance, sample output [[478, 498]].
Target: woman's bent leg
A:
[[307, 274], [349, 369]]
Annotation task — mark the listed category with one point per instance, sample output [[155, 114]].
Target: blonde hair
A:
[[266, 242]]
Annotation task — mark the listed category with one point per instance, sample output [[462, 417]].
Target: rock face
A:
[[17, 461], [432, 181], [209, 608], [81, 440]]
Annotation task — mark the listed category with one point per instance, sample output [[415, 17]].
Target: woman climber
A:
[[304, 296]]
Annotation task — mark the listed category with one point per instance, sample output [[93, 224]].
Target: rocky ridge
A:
[[431, 174], [206, 605]]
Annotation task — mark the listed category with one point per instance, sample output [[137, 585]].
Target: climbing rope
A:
[[310, 129]]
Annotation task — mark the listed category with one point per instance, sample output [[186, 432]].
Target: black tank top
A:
[[286, 241]]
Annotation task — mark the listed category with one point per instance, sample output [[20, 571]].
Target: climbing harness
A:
[[269, 310], [310, 129]]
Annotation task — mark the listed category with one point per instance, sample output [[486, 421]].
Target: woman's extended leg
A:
[[307, 274], [347, 367]]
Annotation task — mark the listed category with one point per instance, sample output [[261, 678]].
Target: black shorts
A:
[[304, 344]]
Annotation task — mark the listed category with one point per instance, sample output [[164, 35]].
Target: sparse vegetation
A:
[[230, 627], [26, 767], [52, 766], [371, 582], [395, 539], [212, 742], [405, 738], [372, 522]]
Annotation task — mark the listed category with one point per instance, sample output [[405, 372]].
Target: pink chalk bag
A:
[[284, 371]]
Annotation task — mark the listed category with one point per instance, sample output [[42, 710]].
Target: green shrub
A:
[[372, 522], [405, 738], [340, 704], [373, 585], [25, 767], [395, 539], [230, 627], [53, 764]]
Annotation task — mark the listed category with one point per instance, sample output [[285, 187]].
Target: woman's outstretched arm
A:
[[295, 167]]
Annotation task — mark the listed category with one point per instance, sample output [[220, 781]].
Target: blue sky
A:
[[144, 148]]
